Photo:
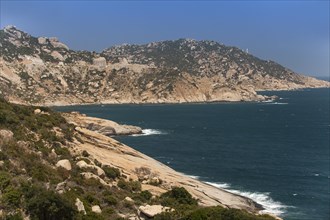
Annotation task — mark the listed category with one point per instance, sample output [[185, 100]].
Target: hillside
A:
[[53, 169], [44, 71]]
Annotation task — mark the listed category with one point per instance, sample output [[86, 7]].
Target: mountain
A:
[[45, 71]]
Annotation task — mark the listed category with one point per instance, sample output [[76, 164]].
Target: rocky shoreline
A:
[[138, 166]]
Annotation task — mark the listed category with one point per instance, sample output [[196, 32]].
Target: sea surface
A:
[[276, 153]]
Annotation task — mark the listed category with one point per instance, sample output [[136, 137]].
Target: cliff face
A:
[[45, 71]]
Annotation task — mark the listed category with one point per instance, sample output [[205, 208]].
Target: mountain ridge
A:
[[44, 71]]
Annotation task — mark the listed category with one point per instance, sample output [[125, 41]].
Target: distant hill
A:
[[45, 71]]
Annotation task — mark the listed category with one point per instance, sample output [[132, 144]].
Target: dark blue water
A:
[[276, 153]]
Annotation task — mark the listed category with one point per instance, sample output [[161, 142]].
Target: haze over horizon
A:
[[294, 34]]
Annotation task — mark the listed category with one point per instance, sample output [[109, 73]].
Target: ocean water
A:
[[276, 153]]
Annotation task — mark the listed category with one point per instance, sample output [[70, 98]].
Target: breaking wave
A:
[[270, 206], [146, 132]]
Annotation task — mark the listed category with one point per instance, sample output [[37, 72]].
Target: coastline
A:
[[65, 103], [109, 151]]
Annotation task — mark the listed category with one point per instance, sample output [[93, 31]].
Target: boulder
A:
[[100, 63], [64, 164], [129, 199], [6, 135], [82, 164], [54, 41], [57, 55], [53, 153], [80, 206], [152, 210], [37, 111], [12, 31], [96, 209], [60, 188], [42, 40], [89, 175]]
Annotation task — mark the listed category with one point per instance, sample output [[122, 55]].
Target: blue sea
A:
[[276, 153]]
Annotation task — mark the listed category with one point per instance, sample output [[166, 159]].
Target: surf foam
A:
[[146, 132], [270, 206]]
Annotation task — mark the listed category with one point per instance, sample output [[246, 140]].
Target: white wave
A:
[[146, 132], [194, 177], [219, 185], [278, 103], [270, 206]]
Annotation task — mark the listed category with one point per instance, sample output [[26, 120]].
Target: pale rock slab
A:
[[96, 209], [152, 210], [80, 206], [64, 164]]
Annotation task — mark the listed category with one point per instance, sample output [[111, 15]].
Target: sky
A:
[[292, 33]]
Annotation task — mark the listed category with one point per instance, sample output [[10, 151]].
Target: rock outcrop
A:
[[102, 126], [152, 210], [44, 71], [83, 165], [80, 206], [6, 135], [96, 209], [64, 164]]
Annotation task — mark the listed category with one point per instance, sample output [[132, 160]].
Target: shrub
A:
[[43, 204], [110, 200], [178, 195], [210, 213], [14, 216], [146, 195], [11, 197], [4, 180], [111, 172], [85, 154], [92, 200], [131, 186], [92, 216]]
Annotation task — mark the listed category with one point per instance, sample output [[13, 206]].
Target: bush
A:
[[4, 180], [111, 172], [14, 216], [11, 197], [210, 213], [131, 186], [92, 216], [43, 204], [85, 154], [178, 195], [110, 200], [146, 195], [92, 200]]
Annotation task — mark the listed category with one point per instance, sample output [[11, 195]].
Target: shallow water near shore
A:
[[276, 153]]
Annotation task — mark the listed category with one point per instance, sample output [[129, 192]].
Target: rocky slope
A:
[[45, 71], [52, 169]]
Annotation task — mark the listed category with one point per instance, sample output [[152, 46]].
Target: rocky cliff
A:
[[45, 71], [53, 169]]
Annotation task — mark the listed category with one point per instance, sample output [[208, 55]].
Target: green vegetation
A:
[[131, 186], [111, 172], [186, 208], [177, 196], [44, 204], [212, 213]]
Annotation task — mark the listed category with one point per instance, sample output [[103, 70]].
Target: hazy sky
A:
[[293, 33]]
